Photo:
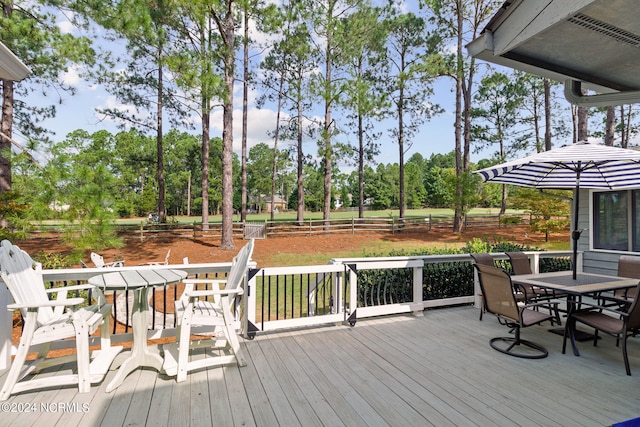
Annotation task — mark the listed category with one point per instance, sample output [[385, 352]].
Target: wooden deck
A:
[[401, 371]]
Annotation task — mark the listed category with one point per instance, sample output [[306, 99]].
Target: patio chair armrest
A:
[[210, 292], [82, 287], [610, 309], [541, 304], [204, 281], [51, 303], [615, 299]]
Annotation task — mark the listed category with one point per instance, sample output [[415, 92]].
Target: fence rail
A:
[[264, 229]]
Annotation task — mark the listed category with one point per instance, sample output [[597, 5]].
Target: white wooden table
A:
[[139, 281]]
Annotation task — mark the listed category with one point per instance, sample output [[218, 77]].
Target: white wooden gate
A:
[[255, 230]]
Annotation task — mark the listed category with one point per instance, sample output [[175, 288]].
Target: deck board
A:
[[219, 398], [160, 402], [301, 390], [398, 370]]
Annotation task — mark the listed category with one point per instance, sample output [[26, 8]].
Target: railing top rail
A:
[[86, 273], [443, 258], [321, 268]]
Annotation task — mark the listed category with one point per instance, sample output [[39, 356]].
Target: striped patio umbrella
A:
[[580, 165]]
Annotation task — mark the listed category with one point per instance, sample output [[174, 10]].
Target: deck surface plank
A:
[[304, 397], [398, 370], [158, 413]]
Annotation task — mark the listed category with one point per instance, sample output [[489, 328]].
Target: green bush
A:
[[54, 260], [440, 280]]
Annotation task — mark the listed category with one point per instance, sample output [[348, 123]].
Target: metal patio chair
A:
[[617, 322], [484, 259], [500, 300]]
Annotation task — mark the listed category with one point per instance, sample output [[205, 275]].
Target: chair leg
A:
[[234, 343], [18, 361], [232, 336], [42, 356], [564, 337], [83, 357], [105, 336], [625, 356], [514, 344], [184, 335]]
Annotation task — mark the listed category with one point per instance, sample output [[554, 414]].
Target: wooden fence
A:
[[265, 229]]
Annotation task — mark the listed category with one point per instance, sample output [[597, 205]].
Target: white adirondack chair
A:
[[165, 262], [219, 316], [98, 261], [47, 321]]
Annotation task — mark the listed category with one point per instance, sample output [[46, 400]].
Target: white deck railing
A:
[[313, 295]]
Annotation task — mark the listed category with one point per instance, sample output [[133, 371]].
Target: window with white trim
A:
[[616, 220]]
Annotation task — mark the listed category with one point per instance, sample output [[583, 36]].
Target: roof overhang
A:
[[11, 68], [592, 44]]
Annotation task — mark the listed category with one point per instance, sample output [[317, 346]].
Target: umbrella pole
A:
[[575, 234]]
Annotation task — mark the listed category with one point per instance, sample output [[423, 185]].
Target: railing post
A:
[[338, 285], [353, 291], [249, 298], [417, 308], [535, 263], [579, 263], [141, 231]]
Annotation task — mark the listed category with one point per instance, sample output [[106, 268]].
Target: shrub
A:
[[439, 280]]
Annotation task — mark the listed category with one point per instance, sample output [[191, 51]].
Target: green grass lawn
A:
[[292, 215]]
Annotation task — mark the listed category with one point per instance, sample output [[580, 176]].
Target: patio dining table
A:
[[584, 284], [138, 280]]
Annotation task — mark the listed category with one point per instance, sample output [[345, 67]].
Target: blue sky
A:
[[78, 111]]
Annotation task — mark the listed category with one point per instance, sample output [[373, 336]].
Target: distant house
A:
[[279, 204]]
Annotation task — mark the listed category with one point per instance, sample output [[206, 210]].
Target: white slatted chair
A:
[[47, 321], [98, 261], [218, 316], [165, 262]]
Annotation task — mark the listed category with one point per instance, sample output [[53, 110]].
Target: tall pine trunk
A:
[[228, 31], [6, 124], [162, 214], [245, 102], [6, 128]]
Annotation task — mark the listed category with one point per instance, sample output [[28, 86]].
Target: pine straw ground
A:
[[269, 251], [289, 250]]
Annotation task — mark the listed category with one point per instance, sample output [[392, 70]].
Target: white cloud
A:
[[112, 103], [259, 124], [71, 77], [63, 21]]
